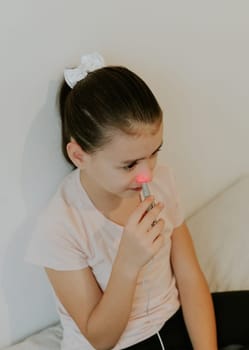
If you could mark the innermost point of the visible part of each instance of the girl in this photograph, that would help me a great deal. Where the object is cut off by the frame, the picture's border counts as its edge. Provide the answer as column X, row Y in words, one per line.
column 120, row 265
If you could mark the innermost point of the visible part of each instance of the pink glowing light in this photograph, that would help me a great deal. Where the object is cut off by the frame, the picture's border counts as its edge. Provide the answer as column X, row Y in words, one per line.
column 142, row 178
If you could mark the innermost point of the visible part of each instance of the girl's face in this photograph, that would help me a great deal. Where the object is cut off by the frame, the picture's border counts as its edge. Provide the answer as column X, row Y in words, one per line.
column 115, row 168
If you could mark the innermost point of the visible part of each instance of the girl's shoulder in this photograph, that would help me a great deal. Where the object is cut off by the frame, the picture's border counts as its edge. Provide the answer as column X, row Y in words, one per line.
column 165, row 189
column 59, row 240
column 61, row 217
column 69, row 195
column 164, row 178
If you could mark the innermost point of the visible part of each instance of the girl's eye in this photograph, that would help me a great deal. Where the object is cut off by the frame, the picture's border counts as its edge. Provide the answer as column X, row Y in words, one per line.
column 130, row 166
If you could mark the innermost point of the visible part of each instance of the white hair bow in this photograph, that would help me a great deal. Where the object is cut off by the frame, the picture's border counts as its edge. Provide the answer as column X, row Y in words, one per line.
column 88, row 64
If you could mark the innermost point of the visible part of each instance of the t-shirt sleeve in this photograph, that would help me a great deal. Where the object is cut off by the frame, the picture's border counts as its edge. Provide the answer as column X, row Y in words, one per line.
column 58, row 242
column 177, row 211
column 166, row 189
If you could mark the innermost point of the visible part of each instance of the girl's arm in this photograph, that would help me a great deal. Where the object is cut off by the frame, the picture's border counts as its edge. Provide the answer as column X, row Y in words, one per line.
column 195, row 297
column 102, row 316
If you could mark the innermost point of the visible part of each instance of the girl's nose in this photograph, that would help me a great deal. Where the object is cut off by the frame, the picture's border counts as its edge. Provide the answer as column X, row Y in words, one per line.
column 144, row 174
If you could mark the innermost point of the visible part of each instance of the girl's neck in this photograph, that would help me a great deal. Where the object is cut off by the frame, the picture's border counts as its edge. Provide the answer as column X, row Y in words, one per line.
column 110, row 205
column 99, row 197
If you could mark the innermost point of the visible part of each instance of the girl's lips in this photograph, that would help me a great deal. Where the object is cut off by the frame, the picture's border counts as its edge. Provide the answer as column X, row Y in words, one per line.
column 137, row 189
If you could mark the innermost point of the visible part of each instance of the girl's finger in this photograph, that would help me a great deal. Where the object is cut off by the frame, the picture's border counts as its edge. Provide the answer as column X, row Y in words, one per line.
column 155, row 230
column 158, row 243
column 140, row 211
column 150, row 218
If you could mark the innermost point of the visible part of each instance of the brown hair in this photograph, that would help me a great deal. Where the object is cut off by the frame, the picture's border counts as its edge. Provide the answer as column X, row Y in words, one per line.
column 108, row 98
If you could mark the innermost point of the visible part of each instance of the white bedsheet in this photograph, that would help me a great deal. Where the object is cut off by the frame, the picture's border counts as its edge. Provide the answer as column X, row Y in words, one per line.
column 47, row 339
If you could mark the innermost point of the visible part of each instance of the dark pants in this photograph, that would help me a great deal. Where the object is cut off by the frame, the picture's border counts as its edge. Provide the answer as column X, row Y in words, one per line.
column 232, row 320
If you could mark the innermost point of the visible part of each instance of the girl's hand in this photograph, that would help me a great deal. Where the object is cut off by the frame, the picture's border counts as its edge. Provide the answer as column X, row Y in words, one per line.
column 142, row 237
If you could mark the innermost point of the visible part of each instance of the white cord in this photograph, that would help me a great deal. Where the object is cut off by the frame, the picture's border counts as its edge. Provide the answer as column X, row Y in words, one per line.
column 146, row 192
column 160, row 339
column 147, row 305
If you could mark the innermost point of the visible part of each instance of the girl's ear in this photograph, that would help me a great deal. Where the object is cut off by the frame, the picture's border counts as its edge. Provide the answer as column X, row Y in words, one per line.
column 76, row 154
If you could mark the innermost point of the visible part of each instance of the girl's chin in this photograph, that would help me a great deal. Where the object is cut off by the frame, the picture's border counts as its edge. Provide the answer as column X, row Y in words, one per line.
column 130, row 193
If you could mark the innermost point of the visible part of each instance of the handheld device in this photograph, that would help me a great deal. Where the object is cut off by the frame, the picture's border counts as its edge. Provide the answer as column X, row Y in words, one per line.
column 143, row 180
column 146, row 193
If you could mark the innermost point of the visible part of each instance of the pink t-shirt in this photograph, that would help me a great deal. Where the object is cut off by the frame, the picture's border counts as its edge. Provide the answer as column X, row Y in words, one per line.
column 72, row 234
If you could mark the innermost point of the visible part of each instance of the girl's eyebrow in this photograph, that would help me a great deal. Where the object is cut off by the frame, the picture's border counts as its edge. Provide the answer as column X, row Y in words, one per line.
column 136, row 160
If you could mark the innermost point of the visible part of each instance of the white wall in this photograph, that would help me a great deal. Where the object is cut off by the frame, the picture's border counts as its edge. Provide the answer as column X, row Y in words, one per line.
column 193, row 54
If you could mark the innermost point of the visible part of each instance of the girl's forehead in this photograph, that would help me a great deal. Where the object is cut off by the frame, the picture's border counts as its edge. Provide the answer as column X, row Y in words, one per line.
column 143, row 129
column 137, row 131
column 148, row 137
